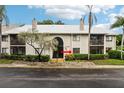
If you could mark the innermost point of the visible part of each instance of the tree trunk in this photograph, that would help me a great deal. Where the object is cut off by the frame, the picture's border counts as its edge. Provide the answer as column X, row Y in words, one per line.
column 89, row 46
column 39, row 58
column 0, row 37
column 90, row 22
column 122, row 42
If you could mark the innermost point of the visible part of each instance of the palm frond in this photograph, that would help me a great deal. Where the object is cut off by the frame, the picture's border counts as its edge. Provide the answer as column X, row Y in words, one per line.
column 3, row 14
column 90, row 7
column 118, row 23
column 6, row 19
column 95, row 18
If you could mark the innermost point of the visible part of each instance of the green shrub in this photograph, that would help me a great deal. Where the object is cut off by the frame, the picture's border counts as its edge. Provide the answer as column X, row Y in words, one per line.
column 114, row 54
column 45, row 58
column 80, row 56
column 69, row 57
column 4, row 55
column 34, row 58
column 31, row 58
column 98, row 56
column 85, row 57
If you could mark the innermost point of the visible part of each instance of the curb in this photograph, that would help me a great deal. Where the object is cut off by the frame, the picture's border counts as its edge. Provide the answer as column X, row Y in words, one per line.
column 65, row 67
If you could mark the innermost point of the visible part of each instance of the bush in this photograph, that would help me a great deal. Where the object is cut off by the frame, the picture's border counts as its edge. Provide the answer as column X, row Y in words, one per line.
column 69, row 57
column 98, row 56
column 32, row 58
column 85, row 56
column 4, row 55
column 80, row 56
column 45, row 58
column 114, row 54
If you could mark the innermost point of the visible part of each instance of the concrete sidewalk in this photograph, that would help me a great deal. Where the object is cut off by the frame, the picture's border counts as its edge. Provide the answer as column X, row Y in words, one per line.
column 80, row 65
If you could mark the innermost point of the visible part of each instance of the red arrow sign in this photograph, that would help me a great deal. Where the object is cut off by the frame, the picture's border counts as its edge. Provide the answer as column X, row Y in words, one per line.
column 68, row 51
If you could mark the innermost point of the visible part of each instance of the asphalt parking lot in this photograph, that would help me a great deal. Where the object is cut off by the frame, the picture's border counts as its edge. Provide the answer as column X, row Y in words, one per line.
column 61, row 78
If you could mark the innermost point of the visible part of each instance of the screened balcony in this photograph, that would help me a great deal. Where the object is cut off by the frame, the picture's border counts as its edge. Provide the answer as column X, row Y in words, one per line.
column 14, row 40
column 97, row 40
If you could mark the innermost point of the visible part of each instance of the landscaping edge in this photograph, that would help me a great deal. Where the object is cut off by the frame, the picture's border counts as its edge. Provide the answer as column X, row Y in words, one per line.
column 62, row 67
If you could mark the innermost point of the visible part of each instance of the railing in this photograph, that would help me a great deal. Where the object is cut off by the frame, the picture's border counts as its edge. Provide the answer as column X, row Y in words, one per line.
column 14, row 40
column 17, row 42
column 96, row 42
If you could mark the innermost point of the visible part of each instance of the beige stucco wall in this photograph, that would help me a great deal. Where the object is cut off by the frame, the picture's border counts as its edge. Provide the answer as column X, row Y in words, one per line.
column 69, row 44
column 6, row 45
column 82, row 44
column 112, row 43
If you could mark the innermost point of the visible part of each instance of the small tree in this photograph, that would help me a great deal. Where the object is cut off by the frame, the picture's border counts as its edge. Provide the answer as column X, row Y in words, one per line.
column 39, row 41
column 119, row 23
column 50, row 22
column 118, row 40
column 59, row 22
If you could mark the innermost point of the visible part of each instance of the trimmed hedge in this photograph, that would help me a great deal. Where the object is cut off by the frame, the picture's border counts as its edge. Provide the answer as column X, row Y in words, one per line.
column 98, row 56
column 114, row 54
column 85, row 57
column 31, row 58
column 80, row 56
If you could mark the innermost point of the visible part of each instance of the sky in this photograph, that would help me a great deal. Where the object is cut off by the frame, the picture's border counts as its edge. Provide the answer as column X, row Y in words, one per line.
column 20, row 14
column 69, row 14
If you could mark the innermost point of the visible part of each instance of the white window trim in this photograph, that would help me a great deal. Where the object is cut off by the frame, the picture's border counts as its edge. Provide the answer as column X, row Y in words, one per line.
column 76, row 38
column 5, row 50
column 109, row 38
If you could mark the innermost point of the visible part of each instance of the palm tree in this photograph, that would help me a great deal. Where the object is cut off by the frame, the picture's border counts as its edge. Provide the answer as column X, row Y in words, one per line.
column 119, row 23
column 91, row 19
column 3, row 17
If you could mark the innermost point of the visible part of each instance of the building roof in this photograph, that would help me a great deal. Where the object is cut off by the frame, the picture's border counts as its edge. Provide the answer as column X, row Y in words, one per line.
column 9, row 27
column 63, row 29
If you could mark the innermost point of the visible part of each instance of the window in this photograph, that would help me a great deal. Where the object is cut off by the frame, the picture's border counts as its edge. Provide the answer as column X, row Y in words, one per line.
column 4, row 50
column 17, row 50
column 4, row 38
column 76, row 37
column 109, row 38
column 96, row 49
column 76, row 50
column 14, row 40
column 97, row 39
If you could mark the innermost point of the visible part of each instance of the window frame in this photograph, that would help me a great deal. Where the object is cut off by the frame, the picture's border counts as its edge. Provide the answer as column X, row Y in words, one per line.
column 76, row 50
column 4, row 50
column 76, row 38
column 4, row 38
column 109, row 38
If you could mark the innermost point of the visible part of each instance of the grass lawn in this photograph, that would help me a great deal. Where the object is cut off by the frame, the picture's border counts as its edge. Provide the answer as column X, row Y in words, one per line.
column 77, row 61
column 109, row 62
column 5, row 61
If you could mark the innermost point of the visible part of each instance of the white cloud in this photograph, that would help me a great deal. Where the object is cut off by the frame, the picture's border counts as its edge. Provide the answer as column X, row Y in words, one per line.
column 34, row 6
column 122, row 10
column 103, row 8
column 112, row 16
column 71, row 12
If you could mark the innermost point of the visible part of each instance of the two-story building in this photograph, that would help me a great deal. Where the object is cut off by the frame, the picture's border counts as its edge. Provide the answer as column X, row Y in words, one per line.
column 72, row 38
